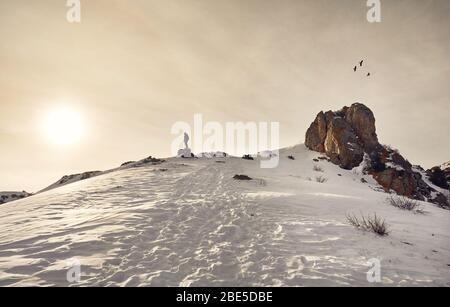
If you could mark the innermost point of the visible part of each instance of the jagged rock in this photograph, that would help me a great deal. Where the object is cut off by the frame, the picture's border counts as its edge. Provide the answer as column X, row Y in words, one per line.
column 440, row 176
column 127, row 163
column 362, row 121
column 77, row 177
column 343, row 135
column 341, row 144
column 316, row 134
column 348, row 135
column 391, row 179
column 6, row 197
column 149, row 160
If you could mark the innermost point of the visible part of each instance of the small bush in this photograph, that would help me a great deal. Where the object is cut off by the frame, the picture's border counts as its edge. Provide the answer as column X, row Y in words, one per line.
column 373, row 224
column 405, row 203
column 317, row 168
column 321, row 179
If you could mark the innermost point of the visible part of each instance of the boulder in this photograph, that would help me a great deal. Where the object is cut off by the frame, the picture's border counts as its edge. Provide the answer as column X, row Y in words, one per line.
column 343, row 134
column 316, row 134
column 439, row 176
column 348, row 135
column 341, row 144
column 362, row 121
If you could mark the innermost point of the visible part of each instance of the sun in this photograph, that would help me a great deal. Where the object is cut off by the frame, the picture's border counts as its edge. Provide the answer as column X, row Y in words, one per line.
column 63, row 126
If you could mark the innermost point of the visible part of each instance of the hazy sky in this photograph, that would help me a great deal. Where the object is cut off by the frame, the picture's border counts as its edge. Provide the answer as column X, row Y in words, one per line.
column 132, row 68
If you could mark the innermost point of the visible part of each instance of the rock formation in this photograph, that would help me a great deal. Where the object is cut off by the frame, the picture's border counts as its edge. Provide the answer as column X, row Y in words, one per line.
column 348, row 137
column 6, row 197
column 440, row 175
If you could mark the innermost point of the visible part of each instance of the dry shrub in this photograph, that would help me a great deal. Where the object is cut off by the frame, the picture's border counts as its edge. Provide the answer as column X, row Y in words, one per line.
column 405, row 203
column 370, row 223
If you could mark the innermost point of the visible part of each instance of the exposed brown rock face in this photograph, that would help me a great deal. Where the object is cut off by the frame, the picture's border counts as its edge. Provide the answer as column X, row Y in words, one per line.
column 316, row 134
column 344, row 135
column 341, row 144
column 348, row 135
column 362, row 120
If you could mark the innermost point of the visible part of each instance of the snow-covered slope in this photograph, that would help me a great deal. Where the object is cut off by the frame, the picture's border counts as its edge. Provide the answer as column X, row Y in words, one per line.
column 186, row 222
column 68, row 179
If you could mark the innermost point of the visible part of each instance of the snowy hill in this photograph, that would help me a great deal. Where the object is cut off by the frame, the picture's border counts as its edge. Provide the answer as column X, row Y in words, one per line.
column 187, row 222
column 68, row 179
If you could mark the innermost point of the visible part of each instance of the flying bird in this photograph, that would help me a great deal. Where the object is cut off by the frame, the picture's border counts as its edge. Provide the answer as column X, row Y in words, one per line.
column 360, row 63
column 354, row 68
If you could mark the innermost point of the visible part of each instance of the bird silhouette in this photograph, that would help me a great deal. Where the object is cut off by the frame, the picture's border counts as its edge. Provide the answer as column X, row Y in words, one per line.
column 354, row 68
column 360, row 63
column 368, row 74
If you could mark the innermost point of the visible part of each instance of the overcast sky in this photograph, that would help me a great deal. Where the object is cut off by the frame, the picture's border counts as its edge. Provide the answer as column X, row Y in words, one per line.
column 133, row 68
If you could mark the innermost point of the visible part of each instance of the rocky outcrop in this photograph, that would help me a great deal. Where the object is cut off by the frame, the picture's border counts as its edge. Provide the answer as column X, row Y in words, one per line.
column 317, row 133
column 440, row 175
column 6, row 197
column 348, row 137
column 344, row 135
column 341, row 144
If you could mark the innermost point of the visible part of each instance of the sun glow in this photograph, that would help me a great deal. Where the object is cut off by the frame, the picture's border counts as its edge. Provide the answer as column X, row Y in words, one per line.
column 63, row 126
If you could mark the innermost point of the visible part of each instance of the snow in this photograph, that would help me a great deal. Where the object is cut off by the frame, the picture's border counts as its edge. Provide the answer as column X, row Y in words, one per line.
column 186, row 222
column 71, row 179
column 267, row 154
column 394, row 166
column 212, row 155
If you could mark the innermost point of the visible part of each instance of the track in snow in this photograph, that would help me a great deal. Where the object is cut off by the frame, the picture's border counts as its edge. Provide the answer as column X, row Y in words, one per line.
column 188, row 223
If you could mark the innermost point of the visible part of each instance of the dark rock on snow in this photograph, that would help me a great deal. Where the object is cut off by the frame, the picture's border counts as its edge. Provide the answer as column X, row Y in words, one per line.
column 348, row 137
